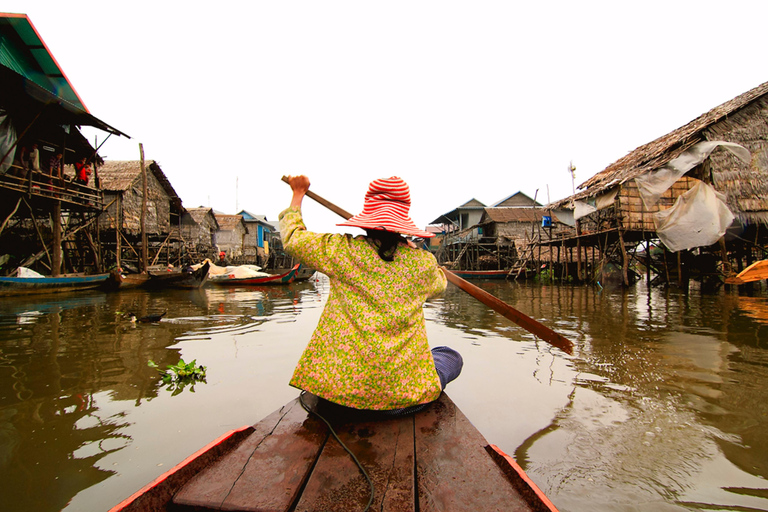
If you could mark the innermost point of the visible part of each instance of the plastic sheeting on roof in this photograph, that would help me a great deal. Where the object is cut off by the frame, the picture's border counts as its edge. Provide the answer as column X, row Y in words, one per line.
column 698, row 218
column 653, row 184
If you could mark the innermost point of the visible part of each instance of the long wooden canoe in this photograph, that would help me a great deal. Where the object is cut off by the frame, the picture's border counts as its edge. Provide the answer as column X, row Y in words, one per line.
column 184, row 279
column 481, row 274
column 39, row 285
column 434, row 460
column 119, row 281
column 755, row 272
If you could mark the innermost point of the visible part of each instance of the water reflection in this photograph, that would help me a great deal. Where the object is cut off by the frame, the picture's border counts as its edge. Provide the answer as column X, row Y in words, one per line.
column 663, row 406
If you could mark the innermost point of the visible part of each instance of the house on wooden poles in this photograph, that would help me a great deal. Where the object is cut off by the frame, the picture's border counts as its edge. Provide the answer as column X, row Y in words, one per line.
column 691, row 204
column 131, row 214
column 260, row 238
column 498, row 237
column 230, row 236
column 198, row 231
column 47, row 215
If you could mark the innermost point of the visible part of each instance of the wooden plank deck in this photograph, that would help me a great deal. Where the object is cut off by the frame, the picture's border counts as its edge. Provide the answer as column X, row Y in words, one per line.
column 434, row 460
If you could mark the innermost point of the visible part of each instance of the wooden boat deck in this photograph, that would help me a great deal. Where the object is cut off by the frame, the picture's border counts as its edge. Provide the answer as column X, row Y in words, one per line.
column 433, row 460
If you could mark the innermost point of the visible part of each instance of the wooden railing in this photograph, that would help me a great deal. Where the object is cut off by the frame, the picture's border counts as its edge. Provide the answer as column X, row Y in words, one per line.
column 39, row 185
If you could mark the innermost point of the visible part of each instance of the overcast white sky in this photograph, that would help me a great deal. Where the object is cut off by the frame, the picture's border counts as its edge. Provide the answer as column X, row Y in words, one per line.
column 474, row 99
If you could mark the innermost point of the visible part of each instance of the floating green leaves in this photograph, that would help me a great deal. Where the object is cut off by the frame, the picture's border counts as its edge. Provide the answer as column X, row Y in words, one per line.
column 178, row 377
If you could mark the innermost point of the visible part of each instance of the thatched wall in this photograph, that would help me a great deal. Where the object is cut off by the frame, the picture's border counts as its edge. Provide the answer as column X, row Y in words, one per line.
column 628, row 211
column 157, row 220
column 515, row 223
column 231, row 233
column 199, row 226
column 123, row 179
column 745, row 186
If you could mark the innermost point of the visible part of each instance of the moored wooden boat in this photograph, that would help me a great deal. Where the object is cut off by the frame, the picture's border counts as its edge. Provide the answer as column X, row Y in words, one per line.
column 119, row 281
column 481, row 274
column 755, row 272
column 303, row 274
column 39, row 285
column 428, row 461
column 284, row 278
column 184, row 279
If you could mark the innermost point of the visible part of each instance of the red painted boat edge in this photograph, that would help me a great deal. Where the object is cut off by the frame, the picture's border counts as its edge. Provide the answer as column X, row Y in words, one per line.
column 518, row 477
column 176, row 477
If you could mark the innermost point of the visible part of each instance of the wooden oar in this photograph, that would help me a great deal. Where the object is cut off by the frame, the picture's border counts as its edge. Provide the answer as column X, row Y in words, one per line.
column 501, row 307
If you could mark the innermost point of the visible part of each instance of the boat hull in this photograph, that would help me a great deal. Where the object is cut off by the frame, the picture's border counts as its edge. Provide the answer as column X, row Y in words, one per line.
column 179, row 280
column 41, row 285
column 434, row 459
column 285, row 278
column 481, row 274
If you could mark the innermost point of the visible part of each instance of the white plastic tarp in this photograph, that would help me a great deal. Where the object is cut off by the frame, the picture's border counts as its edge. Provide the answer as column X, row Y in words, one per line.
column 607, row 199
column 582, row 208
column 653, row 184
column 7, row 141
column 698, row 218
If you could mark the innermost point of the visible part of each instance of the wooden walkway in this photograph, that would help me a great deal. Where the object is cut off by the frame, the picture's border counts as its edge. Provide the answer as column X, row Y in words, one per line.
column 434, row 460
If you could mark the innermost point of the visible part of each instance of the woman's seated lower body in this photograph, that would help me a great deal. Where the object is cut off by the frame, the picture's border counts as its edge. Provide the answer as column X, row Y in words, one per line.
column 448, row 364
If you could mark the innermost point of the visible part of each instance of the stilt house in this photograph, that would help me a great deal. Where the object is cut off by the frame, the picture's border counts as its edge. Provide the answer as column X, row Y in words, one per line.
column 47, row 221
column 123, row 185
column 198, row 229
column 230, row 236
column 709, row 178
column 259, row 237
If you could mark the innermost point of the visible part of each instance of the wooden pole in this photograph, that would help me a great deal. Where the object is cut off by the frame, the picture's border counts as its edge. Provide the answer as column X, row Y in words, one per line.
column 56, row 263
column 144, row 249
column 648, row 261
column 625, row 260
column 5, row 222
column 118, row 226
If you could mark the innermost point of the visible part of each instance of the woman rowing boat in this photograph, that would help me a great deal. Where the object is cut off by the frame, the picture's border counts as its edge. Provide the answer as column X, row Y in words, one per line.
column 370, row 350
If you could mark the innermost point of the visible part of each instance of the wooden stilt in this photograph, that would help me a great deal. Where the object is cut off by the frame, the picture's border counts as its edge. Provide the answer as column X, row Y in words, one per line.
column 7, row 219
column 56, row 225
column 144, row 249
column 625, row 260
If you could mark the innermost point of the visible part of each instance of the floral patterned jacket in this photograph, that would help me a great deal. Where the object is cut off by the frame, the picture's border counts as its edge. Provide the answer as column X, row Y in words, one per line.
column 369, row 350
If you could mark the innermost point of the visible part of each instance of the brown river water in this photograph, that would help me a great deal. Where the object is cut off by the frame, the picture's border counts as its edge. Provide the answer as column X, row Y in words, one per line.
column 663, row 405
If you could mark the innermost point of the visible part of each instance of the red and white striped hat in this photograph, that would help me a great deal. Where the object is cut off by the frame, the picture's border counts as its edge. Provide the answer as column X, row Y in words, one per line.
column 386, row 207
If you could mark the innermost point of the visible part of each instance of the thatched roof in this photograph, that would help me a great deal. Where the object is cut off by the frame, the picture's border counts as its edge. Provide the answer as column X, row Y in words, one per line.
column 199, row 214
column 504, row 215
column 228, row 222
column 657, row 153
column 120, row 175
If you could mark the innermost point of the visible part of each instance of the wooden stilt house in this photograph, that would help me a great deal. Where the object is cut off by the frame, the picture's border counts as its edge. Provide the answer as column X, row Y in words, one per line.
column 230, row 236
column 123, row 185
column 198, row 229
column 633, row 203
column 259, row 238
column 47, row 219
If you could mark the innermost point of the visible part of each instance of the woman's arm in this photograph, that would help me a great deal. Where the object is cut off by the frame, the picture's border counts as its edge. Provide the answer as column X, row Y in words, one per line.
column 299, row 185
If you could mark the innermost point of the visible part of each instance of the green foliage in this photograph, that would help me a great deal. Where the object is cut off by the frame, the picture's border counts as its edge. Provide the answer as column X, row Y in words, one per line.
column 546, row 276
column 179, row 376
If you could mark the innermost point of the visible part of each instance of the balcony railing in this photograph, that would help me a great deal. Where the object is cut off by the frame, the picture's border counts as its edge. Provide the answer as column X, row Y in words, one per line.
column 40, row 186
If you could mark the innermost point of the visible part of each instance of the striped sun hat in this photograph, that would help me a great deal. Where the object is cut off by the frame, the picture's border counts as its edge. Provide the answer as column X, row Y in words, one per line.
column 386, row 207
